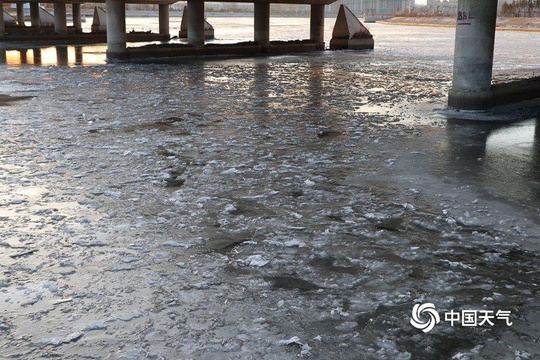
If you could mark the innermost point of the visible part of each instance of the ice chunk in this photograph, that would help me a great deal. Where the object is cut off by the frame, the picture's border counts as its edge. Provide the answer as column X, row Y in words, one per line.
column 256, row 260
column 176, row 244
column 98, row 325
column 231, row 171
column 295, row 242
column 293, row 340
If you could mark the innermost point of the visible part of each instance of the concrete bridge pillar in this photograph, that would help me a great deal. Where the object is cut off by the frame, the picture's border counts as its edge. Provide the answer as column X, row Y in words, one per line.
column 317, row 24
column 20, row 14
column 2, row 25
column 195, row 22
column 77, row 23
column 60, row 22
column 164, row 20
column 116, row 29
column 473, row 55
column 35, row 19
column 262, row 23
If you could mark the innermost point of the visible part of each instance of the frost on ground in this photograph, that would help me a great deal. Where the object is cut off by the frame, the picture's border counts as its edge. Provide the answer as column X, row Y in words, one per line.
column 252, row 209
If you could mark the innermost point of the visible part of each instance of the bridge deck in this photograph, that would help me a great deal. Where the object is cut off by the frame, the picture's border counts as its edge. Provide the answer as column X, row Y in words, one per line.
column 158, row 2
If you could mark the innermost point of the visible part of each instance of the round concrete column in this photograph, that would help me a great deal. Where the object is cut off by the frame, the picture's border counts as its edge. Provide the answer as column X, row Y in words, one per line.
column 164, row 20
column 77, row 23
column 473, row 55
column 20, row 14
column 35, row 19
column 196, row 22
column 60, row 22
column 262, row 23
column 317, row 24
column 116, row 29
column 2, row 25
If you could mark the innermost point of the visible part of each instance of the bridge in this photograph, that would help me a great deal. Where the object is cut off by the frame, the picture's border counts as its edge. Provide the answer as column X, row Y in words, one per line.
column 471, row 89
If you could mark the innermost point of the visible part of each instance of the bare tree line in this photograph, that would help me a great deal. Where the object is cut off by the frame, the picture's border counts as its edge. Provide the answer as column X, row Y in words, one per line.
column 521, row 8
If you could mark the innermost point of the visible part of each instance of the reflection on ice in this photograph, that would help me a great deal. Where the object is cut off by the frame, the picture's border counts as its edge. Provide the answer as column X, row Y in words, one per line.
column 54, row 56
column 32, row 192
column 512, row 161
column 502, row 159
column 518, row 140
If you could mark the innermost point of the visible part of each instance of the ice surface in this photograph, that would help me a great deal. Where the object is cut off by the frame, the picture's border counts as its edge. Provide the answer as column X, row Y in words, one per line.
column 289, row 211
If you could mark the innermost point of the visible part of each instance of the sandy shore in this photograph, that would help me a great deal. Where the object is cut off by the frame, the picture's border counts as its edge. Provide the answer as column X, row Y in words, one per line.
column 517, row 24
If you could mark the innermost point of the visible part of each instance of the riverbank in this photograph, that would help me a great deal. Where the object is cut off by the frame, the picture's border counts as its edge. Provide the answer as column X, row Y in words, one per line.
column 516, row 24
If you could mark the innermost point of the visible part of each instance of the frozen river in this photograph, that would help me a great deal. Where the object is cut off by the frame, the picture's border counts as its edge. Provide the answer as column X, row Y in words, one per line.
column 267, row 208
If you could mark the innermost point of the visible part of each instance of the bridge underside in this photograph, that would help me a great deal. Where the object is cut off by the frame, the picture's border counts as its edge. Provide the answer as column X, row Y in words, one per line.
column 116, row 25
column 170, row 2
column 153, row 2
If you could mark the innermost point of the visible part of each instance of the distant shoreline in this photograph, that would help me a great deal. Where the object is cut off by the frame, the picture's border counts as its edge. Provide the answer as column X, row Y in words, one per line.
column 510, row 24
